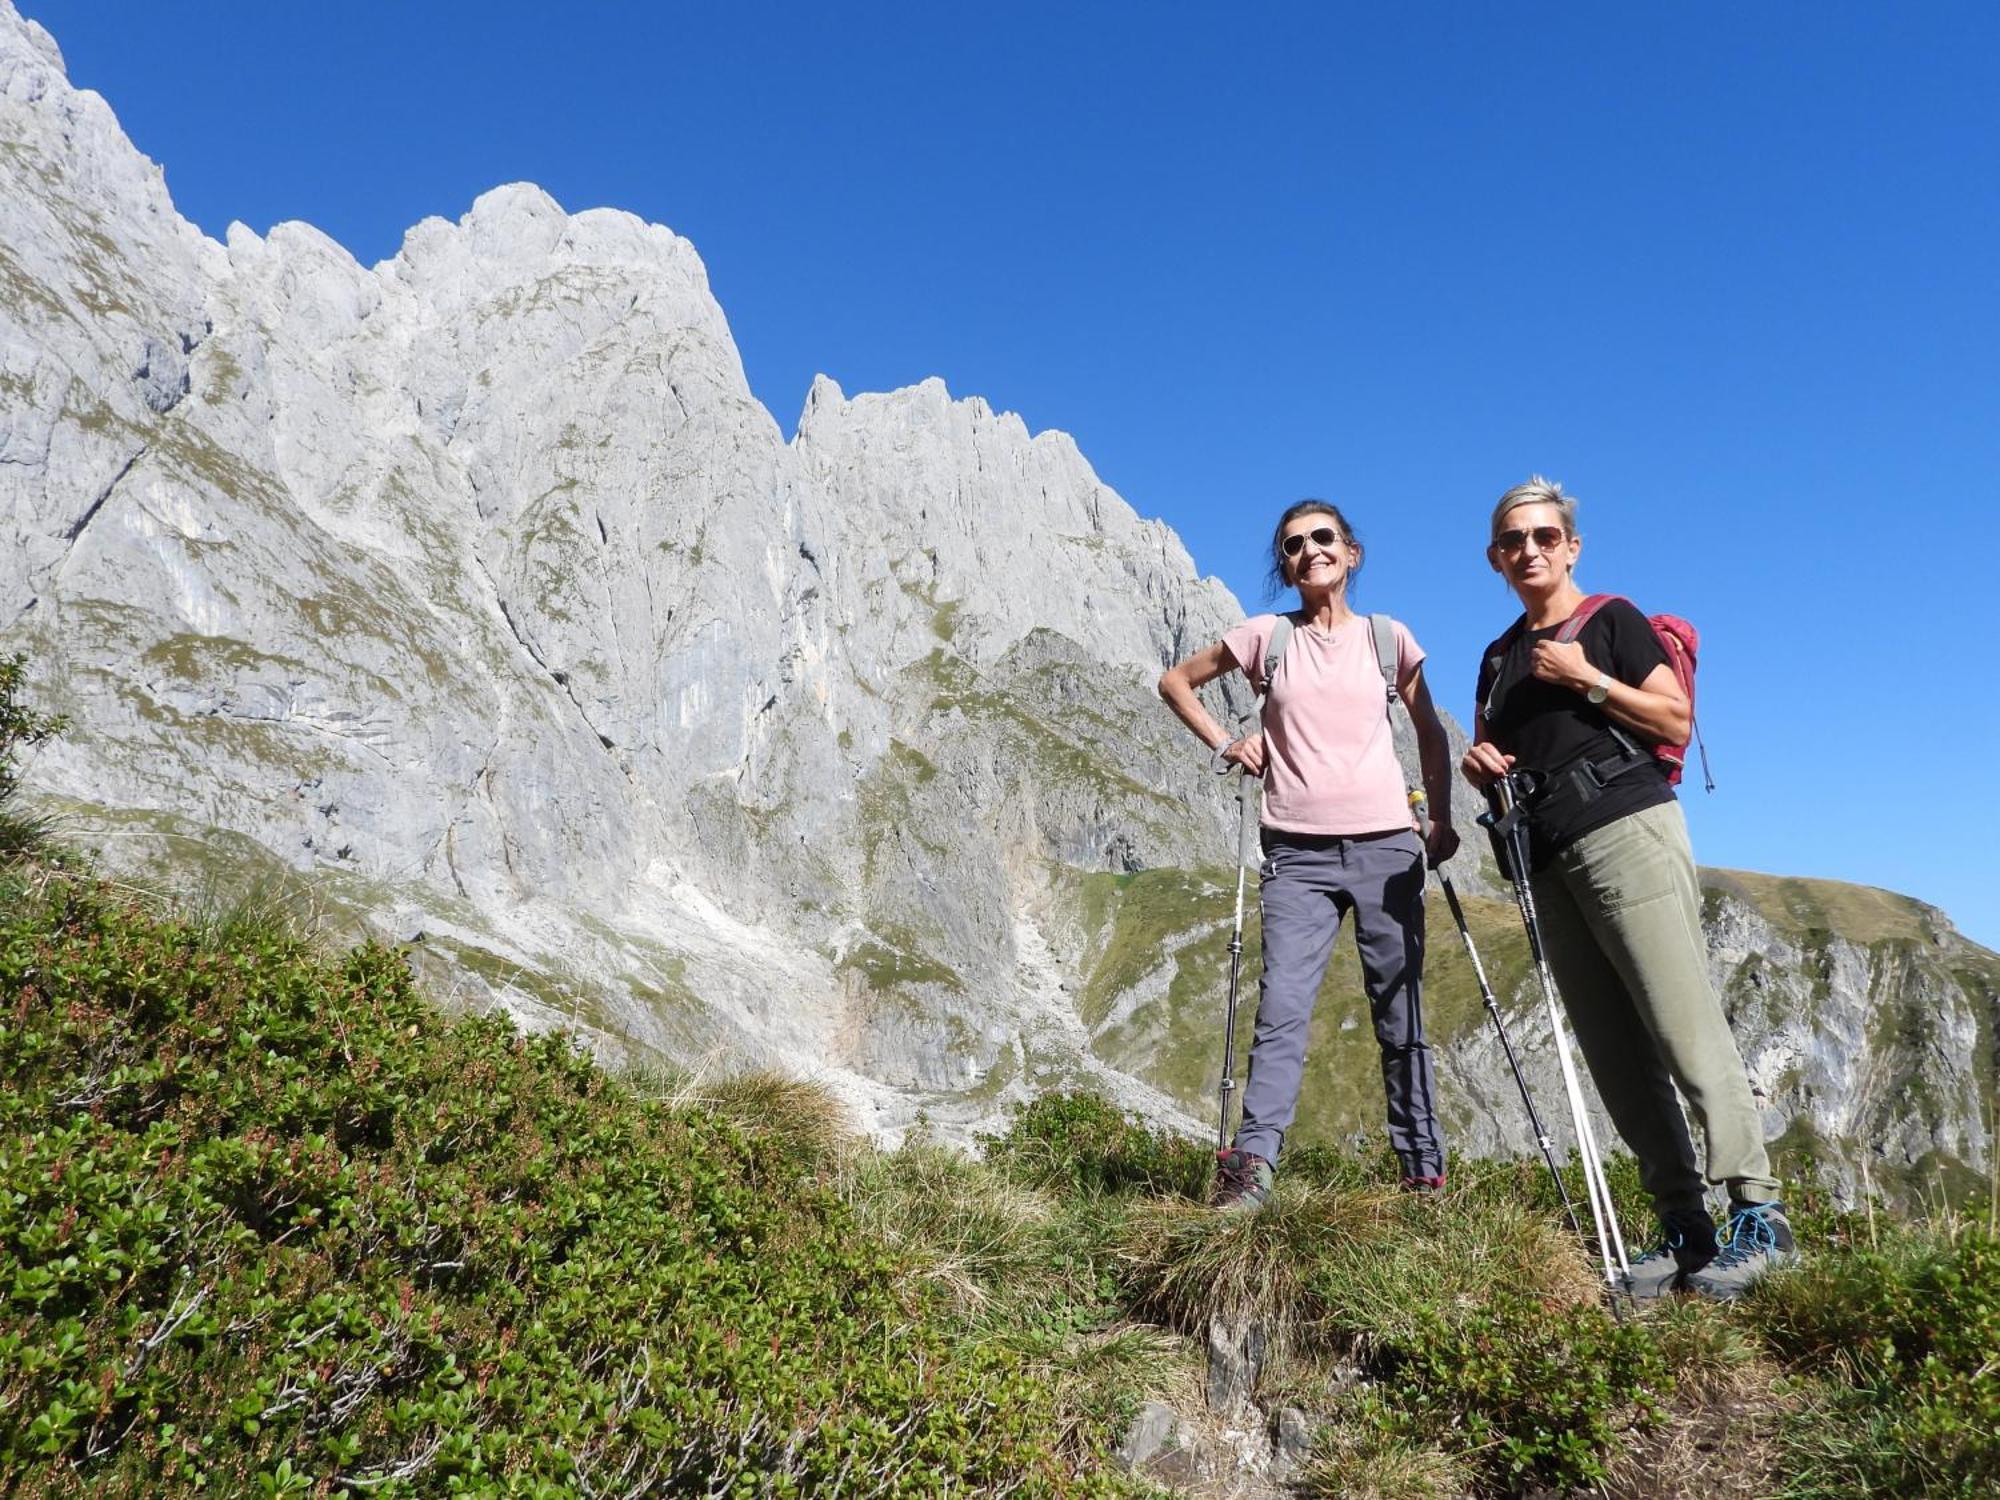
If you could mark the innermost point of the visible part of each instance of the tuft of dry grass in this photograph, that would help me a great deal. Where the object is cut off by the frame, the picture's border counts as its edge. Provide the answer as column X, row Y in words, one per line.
column 1184, row 1265
column 1332, row 1269
column 284, row 908
column 1354, row 1460
column 26, row 837
column 957, row 1222
column 805, row 1117
column 1450, row 1253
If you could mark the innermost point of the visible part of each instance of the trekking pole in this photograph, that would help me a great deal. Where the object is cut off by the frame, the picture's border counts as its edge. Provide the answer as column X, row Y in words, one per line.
column 1421, row 804
column 1247, row 787
column 1508, row 825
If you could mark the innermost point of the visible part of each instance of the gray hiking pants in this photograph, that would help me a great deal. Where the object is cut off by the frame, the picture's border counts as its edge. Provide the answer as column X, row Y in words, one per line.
column 1620, row 912
column 1309, row 883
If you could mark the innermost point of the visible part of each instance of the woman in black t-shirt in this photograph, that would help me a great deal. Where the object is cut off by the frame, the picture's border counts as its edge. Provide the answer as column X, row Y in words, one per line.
column 1617, row 897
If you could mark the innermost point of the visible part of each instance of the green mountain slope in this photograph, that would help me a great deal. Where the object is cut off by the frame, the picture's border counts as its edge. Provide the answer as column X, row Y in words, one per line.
column 270, row 1223
column 1867, row 1022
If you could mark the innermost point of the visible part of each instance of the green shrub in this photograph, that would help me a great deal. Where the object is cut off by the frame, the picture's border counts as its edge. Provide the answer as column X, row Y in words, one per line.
column 1525, row 1390
column 21, row 834
column 1084, row 1142
column 1898, row 1343
column 19, row 724
column 269, row 1224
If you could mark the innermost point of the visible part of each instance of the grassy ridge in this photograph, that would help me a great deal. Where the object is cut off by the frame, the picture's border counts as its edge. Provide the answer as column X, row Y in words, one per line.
column 270, row 1224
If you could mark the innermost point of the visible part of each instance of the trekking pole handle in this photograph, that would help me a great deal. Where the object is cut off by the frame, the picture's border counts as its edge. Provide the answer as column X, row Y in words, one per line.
column 1219, row 762
column 1420, row 805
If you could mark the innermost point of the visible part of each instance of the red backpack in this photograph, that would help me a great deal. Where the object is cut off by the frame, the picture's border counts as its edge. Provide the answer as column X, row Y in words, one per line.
column 1682, row 643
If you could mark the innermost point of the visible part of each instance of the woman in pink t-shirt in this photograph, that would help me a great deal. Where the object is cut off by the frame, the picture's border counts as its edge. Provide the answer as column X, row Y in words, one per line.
column 1337, row 837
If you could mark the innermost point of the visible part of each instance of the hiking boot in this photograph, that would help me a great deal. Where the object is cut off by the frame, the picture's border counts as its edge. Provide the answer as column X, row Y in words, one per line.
column 1242, row 1180
column 1686, row 1244
column 1423, row 1187
column 1760, row 1240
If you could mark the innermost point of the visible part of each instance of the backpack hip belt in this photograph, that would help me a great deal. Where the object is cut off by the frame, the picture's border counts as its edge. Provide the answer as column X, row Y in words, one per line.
column 1588, row 779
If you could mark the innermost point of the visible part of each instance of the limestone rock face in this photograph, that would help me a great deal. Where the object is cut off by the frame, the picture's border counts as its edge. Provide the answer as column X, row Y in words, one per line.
column 478, row 588
column 478, row 583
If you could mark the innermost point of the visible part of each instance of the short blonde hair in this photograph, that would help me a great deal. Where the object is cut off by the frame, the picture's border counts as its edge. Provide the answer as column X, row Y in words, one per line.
column 1537, row 491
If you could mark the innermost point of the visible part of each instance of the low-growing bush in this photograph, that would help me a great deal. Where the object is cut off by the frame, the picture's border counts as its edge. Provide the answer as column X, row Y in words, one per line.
column 1899, row 1343
column 1524, row 1390
column 22, row 834
column 271, row 1224
column 268, row 1223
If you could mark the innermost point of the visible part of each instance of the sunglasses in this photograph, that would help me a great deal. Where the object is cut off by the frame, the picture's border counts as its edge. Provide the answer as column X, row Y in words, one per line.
column 1322, row 536
column 1547, row 538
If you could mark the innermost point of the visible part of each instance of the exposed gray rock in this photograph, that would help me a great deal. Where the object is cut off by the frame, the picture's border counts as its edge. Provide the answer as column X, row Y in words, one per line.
column 1154, row 1430
column 478, row 584
column 1291, row 1441
column 1236, row 1345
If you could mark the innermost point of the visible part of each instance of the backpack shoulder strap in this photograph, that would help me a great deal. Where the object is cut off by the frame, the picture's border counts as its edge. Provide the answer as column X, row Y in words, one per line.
column 1274, row 652
column 1573, row 626
column 1384, row 631
column 1496, row 658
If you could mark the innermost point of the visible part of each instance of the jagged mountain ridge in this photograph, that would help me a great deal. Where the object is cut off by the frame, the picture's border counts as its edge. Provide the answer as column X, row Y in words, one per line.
column 479, row 584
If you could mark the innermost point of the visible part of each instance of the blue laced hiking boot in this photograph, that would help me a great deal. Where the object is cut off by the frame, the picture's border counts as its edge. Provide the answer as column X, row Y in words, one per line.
column 1243, row 1179
column 1687, row 1242
column 1759, row 1241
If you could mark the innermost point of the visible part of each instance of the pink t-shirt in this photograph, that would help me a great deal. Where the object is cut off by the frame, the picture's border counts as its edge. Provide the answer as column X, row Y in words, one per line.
column 1330, row 761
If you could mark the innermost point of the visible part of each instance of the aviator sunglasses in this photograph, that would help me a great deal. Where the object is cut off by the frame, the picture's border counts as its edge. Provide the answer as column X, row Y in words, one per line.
column 1322, row 536
column 1547, row 538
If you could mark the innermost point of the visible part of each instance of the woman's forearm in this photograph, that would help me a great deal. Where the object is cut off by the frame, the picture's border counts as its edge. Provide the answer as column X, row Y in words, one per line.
column 1662, row 718
column 1434, row 758
column 1656, row 709
column 1189, row 709
column 1178, row 684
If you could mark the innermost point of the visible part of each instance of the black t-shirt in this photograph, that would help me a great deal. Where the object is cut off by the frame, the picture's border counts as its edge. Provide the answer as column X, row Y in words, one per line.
column 1554, row 729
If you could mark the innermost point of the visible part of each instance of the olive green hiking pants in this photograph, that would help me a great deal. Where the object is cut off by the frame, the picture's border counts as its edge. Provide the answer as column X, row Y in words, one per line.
column 1620, row 914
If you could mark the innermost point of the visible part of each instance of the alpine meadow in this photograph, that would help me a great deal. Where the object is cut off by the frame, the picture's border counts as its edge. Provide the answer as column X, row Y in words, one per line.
column 557, row 939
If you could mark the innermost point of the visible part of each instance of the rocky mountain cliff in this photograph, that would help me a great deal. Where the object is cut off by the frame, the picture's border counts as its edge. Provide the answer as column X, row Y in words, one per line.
column 478, row 586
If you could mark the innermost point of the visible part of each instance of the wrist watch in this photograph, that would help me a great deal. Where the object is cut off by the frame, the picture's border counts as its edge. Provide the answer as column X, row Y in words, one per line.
column 1600, row 689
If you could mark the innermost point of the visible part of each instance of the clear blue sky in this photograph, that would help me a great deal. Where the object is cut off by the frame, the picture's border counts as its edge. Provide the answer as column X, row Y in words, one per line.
column 1731, row 273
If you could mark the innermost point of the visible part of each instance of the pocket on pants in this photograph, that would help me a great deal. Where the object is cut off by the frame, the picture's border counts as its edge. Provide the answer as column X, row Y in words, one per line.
column 1624, row 865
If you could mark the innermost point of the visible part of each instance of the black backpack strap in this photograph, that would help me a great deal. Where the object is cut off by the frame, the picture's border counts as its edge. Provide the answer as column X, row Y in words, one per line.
column 1496, row 657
